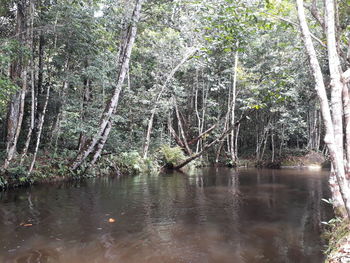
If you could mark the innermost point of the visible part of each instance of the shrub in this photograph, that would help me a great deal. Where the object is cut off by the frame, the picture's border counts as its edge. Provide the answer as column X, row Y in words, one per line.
column 172, row 155
column 128, row 163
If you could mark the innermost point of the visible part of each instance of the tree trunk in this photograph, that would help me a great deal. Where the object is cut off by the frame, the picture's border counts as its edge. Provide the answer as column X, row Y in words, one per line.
column 18, row 74
column 346, row 104
column 99, row 146
column 196, row 109
column 40, row 128
column 182, row 132
column 236, row 140
column 83, row 113
column 111, row 106
column 332, row 141
column 32, row 84
column 56, row 130
column 233, row 104
column 272, row 146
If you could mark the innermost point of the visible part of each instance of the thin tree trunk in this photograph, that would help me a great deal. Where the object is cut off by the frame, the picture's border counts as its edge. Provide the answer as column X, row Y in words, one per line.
column 196, row 109
column 40, row 128
column 282, row 142
column 56, row 130
column 273, row 146
column 221, row 145
column 236, row 140
column 205, row 95
column 346, row 104
column 170, row 76
column 148, row 134
column 32, row 83
column 233, row 104
column 266, row 137
column 182, row 132
column 124, row 60
column 319, row 117
column 83, row 113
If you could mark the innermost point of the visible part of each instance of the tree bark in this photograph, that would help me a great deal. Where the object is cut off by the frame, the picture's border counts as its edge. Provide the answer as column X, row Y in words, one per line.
column 99, row 146
column 346, row 105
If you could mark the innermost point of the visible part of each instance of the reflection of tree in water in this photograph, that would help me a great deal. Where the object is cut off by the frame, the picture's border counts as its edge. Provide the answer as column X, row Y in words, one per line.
column 312, row 216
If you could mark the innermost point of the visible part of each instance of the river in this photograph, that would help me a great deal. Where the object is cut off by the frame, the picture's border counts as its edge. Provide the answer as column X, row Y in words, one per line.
column 212, row 215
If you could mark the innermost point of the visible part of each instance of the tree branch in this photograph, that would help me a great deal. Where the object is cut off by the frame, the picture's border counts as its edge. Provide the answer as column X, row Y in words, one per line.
column 201, row 135
column 208, row 146
column 297, row 27
column 316, row 15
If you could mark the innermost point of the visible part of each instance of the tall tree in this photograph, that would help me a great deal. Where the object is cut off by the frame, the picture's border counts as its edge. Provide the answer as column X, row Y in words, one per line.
column 18, row 74
column 123, row 63
column 332, row 119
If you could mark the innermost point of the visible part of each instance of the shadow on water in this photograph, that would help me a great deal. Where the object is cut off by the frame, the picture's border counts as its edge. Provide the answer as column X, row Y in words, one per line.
column 213, row 215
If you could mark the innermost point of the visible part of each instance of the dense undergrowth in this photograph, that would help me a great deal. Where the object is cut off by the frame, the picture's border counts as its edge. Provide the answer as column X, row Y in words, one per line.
column 51, row 168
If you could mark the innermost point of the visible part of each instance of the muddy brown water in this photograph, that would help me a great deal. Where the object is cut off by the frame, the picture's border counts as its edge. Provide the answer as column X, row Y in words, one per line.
column 212, row 215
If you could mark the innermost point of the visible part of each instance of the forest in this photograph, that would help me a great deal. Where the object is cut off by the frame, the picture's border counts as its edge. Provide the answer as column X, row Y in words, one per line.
column 100, row 87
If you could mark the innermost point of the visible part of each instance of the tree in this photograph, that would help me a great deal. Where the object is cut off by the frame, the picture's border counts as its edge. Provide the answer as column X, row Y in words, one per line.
column 332, row 118
column 99, row 138
column 18, row 74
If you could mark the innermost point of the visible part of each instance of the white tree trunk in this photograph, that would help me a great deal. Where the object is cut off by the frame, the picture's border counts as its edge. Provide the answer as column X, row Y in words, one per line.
column 40, row 128
column 332, row 134
column 233, row 104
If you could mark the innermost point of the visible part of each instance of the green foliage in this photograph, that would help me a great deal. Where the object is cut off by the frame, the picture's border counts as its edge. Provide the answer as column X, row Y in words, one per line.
column 130, row 161
column 7, row 88
column 19, row 171
column 172, row 155
column 4, row 7
column 9, row 51
column 127, row 163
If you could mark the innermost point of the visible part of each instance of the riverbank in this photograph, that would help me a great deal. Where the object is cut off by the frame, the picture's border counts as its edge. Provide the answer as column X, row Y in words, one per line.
column 303, row 159
column 14, row 178
column 338, row 237
column 50, row 170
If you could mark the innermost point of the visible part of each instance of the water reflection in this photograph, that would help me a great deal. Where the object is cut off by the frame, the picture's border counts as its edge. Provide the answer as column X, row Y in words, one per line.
column 213, row 215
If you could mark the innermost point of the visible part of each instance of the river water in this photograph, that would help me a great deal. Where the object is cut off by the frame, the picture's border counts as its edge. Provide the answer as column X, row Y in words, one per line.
column 212, row 215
